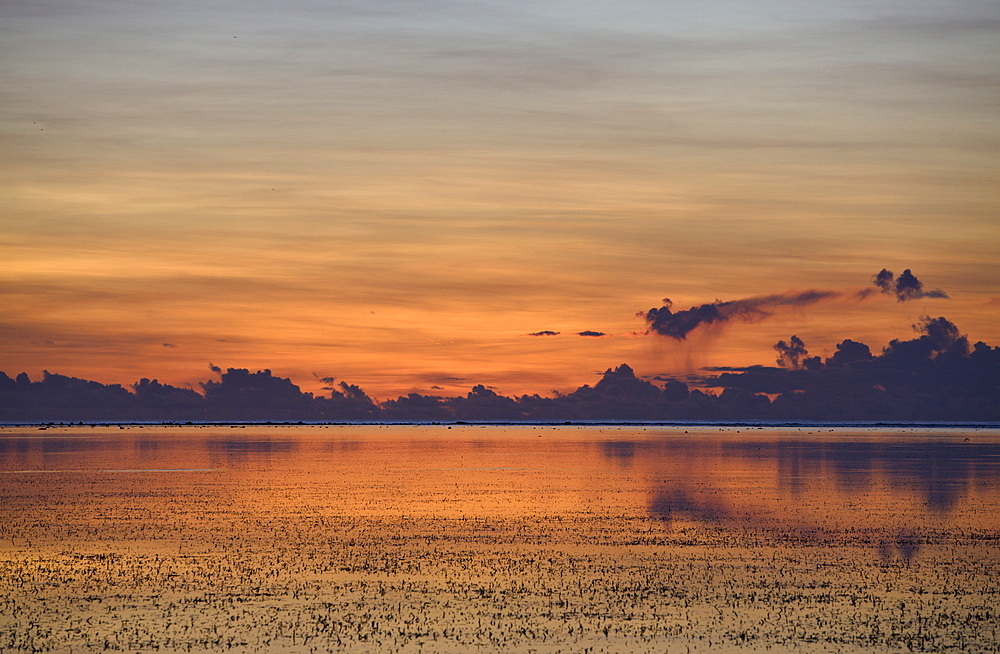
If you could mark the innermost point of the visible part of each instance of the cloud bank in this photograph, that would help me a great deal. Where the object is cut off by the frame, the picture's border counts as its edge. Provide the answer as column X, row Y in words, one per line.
column 936, row 376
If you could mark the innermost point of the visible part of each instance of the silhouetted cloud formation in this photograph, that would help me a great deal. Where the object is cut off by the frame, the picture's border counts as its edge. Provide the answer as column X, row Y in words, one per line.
column 678, row 324
column 905, row 287
column 940, row 337
column 544, row 332
column 792, row 353
column 591, row 334
column 849, row 352
column 164, row 397
column 936, row 376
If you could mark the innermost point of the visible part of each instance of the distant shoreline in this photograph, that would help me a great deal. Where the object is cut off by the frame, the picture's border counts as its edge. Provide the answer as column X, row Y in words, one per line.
column 509, row 423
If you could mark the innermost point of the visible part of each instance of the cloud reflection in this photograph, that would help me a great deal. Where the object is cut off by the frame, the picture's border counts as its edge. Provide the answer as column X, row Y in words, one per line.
column 901, row 489
column 237, row 447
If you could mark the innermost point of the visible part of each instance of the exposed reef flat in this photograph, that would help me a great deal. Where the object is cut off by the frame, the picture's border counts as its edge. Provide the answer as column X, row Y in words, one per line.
column 303, row 583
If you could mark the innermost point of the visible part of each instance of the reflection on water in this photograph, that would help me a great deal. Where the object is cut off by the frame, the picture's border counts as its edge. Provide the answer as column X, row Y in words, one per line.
column 938, row 472
column 622, row 450
column 901, row 483
column 894, row 482
column 941, row 470
column 241, row 447
column 527, row 538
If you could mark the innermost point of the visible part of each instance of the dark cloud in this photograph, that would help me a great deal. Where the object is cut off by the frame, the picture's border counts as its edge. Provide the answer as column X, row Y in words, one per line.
column 329, row 381
column 346, row 403
column 214, row 368
column 482, row 403
column 622, row 381
column 415, row 408
column 936, row 376
column 678, row 324
column 885, row 280
column 735, row 368
column 544, row 332
column 164, row 397
column 591, row 334
column 906, row 287
column 939, row 337
column 849, row 352
column 169, row 345
column 440, row 379
column 260, row 394
column 791, row 354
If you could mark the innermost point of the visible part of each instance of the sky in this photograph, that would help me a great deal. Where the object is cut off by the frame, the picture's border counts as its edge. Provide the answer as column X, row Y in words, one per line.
column 398, row 194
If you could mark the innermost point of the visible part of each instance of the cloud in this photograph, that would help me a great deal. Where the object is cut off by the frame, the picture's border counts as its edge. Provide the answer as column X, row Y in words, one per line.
column 328, row 382
column 939, row 336
column 544, row 332
column 791, row 354
column 171, row 345
column 735, row 368
column 884, row 280
column 937, row 376
column 848, row 352
column 591, row 334
column 678, row 324
column 906, row 287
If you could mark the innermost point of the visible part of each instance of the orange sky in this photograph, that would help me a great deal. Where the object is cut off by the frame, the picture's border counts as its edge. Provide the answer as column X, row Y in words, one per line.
column 397, row 196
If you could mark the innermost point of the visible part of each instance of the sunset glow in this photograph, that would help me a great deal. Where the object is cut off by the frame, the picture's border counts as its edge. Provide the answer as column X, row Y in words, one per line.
column 398, row 195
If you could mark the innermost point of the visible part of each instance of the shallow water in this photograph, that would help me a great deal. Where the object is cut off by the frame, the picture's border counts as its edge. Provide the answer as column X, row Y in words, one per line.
column 521, row 538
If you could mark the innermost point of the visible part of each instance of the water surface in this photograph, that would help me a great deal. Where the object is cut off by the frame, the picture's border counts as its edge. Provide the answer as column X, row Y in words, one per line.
column 489, row 538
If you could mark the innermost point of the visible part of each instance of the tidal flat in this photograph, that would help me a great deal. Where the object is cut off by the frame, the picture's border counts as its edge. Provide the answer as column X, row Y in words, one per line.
column 521, row 538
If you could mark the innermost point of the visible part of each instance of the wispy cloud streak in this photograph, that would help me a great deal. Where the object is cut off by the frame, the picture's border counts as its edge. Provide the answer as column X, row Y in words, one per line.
column 678, row 324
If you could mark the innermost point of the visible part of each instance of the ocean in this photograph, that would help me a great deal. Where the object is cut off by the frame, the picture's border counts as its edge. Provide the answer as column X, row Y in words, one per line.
column 499, row 538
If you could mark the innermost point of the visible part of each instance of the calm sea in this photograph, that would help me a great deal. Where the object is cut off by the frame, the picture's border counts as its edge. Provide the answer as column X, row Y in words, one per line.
column 787, row 477
column 408, row 538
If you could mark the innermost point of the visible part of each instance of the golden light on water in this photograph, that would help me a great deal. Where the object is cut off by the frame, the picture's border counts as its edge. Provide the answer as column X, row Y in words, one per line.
column 617, row 539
